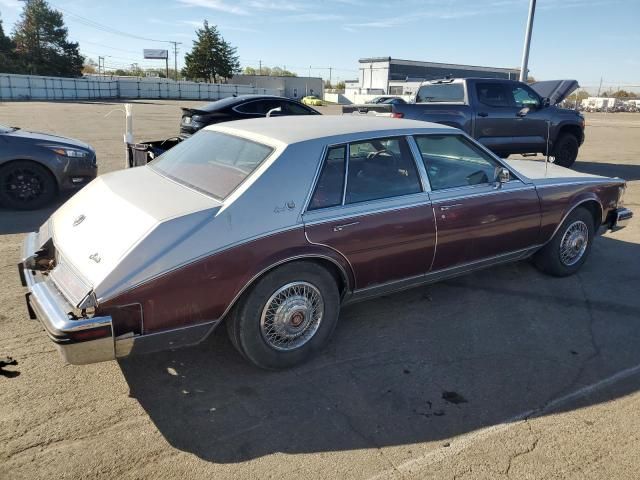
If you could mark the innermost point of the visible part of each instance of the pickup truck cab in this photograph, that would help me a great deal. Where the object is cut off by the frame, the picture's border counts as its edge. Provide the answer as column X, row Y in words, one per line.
column 507, row 116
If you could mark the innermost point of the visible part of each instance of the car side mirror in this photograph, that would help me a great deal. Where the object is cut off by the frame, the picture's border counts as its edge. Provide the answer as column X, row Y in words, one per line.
column 502, row 176
column 523, row 112
column 546, row 102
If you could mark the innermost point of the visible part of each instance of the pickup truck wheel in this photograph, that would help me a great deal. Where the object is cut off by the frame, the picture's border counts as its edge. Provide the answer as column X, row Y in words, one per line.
column 286, row 317
column 570, row 246
column 565, row 150
column 25, row 185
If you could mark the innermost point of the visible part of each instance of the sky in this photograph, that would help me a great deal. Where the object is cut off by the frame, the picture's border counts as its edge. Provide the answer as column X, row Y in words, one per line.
column 580, row 39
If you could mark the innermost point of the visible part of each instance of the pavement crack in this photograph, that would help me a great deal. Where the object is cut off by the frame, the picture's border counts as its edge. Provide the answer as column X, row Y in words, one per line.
column 522, row 453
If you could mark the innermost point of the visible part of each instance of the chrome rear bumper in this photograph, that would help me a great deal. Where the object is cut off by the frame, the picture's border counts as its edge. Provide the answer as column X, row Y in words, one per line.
column 620, row 218
column 79, row 341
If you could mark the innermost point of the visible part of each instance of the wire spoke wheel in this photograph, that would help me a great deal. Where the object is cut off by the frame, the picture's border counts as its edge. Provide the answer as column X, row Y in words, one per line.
column 574, row 243
column 292, row 316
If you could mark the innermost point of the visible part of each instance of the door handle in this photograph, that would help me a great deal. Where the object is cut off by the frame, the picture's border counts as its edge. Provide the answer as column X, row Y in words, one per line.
column 339, row 228
column 483, row 114
column 444, row 208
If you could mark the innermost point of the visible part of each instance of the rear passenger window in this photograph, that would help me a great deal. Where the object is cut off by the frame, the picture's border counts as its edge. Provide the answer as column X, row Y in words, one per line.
column 328, row 192
column 381, row 168
column 493, row 94
column 440, row 92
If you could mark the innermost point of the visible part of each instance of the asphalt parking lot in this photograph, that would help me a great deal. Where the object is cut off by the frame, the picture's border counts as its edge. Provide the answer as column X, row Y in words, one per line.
column 502, row 373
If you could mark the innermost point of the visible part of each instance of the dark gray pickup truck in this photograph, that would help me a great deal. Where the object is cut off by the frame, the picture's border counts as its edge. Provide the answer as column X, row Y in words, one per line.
column 507, row 116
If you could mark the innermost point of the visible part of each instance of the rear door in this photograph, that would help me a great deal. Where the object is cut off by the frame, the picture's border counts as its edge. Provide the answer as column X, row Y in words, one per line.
column 476, row 218
column 370, row 205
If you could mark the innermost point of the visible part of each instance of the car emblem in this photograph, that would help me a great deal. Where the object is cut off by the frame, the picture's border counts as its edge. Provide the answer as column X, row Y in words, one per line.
column 95, row 257
column 78, row 220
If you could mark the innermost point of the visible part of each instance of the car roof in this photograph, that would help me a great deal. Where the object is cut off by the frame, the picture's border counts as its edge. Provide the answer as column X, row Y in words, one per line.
column 294, row 129
column 231, row 101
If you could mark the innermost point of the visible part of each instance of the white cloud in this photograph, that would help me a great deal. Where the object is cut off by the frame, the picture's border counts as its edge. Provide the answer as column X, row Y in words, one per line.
column 313, row 17
column 10, row 3
column 218, row 5
column 278, row 5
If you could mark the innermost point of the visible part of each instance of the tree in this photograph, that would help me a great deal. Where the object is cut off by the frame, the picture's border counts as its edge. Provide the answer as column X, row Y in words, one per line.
column 42, row 45
column 7, row 53
column 89, row 66
column 211, row 57
column 268, row 71
column 340, row 85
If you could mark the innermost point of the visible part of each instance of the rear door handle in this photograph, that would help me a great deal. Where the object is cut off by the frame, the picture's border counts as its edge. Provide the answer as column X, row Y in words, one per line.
column 339, row 228
column 444, row 208
column 483, row 114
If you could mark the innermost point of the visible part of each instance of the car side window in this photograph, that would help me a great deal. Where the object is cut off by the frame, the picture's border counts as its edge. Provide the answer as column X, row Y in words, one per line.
column 453, row 161
column 524, row 97
column 258, row 107
column 493, row 94
column 290, row 108
column 381, row 168
column 328, row 192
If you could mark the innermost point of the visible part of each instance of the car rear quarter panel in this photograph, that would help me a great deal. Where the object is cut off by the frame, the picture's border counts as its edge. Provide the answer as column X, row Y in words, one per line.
column 204, row 290
column 558, row 199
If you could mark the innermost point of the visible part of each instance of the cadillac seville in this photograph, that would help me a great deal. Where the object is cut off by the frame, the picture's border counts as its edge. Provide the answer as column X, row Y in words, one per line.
column 270, row 225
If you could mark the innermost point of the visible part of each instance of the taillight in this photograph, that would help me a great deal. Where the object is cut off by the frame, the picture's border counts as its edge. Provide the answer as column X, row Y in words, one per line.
column 397, row 115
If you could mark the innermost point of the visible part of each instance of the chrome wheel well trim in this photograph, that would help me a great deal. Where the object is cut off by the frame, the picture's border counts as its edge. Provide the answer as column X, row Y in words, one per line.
column 566, row 215
column 266, row 270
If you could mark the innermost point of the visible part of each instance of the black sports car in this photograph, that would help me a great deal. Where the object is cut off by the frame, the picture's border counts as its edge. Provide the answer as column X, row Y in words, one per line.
column 239, row 108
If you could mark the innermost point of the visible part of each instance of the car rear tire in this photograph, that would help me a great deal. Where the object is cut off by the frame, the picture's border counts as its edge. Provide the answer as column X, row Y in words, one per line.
column 25, row 185
column 565, row 150
column 286, row 317
column 570, row 246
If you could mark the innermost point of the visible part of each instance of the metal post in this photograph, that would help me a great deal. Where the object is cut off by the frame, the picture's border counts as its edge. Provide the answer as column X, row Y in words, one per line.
column 524, row 68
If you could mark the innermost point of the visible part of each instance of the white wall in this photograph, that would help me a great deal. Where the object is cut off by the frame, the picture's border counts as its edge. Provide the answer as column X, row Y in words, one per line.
column 31, row 87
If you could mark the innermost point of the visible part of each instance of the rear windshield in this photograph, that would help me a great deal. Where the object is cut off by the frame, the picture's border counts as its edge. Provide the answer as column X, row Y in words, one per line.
column 446, row 92
column 212, row 162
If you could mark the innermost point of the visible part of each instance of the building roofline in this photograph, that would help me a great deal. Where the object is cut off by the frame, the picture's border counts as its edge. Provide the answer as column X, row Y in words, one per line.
column 437, row 64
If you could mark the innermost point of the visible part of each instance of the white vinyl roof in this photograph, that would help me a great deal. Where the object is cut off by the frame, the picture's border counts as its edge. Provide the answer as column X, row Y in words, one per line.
column 294, row 129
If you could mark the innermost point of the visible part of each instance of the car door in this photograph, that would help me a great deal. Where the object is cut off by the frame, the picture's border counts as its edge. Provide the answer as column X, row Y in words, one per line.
column 476, row 218
column 369, row 204
column 500, row 124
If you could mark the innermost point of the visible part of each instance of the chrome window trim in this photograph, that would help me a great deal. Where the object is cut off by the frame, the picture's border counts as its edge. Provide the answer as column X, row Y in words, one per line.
column 363, row 210
column 316, row 177
column 487, row 189
column 417, row 160
column 347, row 153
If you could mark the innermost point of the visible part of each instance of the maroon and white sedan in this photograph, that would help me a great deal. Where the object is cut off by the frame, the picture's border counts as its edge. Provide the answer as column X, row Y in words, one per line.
column 271, row 225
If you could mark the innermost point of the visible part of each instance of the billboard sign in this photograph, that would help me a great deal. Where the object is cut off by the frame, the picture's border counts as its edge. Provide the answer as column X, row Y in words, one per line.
column 156, row 54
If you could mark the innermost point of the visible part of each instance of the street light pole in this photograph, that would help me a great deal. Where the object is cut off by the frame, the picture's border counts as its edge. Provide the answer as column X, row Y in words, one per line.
column 524, row 69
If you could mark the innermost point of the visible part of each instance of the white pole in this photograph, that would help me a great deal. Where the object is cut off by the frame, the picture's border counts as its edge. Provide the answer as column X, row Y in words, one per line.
column 527, row 42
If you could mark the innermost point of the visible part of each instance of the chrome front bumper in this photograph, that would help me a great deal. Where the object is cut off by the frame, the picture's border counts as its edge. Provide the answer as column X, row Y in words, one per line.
column 79, row 341
column 620, row 218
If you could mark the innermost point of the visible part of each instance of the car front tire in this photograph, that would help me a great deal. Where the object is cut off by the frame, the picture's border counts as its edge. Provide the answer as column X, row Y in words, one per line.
column 565, row 150
column 26, row 185
column 569, row 248
column 287, row 316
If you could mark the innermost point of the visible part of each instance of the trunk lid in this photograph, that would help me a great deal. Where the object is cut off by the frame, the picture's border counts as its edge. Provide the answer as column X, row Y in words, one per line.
column 555, row 90
column 106, row 220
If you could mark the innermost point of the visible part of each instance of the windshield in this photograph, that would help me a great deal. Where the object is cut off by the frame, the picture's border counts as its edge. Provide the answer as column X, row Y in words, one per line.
column 212, row 162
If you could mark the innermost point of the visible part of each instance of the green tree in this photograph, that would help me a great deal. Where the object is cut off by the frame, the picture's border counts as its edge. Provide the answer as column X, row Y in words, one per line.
column 7, row 53
column 42, row 45
column 211, row 57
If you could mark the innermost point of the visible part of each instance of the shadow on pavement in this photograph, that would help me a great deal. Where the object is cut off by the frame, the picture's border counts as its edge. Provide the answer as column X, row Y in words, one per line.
column 625, row 171
column 23, row 221
column 506, row 340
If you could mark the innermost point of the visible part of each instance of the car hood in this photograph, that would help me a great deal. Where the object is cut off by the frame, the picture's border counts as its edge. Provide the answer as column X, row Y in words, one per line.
column 538, row 170
column 121, row 224
column 48, row 138
column 555, row 90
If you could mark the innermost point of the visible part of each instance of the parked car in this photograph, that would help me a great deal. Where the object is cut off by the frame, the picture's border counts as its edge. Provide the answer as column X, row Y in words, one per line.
column 312, row 100
column 241, row 107
column 35, row 167
column 271, row 225
column 506, row 116
column 386, row 99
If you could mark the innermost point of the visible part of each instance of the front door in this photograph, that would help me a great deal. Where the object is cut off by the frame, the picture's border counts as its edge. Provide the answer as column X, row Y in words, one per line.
column 381, row 220
column 476, row 218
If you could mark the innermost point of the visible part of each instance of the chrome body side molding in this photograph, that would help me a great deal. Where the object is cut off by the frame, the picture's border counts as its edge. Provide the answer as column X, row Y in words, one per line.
column 432, row 277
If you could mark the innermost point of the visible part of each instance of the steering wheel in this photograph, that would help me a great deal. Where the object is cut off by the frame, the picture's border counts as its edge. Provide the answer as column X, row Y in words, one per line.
column 394, row 157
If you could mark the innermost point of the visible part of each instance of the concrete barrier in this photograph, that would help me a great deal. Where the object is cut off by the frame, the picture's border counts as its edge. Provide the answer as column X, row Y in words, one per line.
column 32, row 87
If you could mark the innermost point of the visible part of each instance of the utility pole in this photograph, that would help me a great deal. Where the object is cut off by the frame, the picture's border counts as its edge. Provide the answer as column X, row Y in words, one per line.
column 309, row 71
column 599, row 88
column 524, row 68
column 100, row 61
column 330, row 68
column 260, row 67
column 175, row 60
